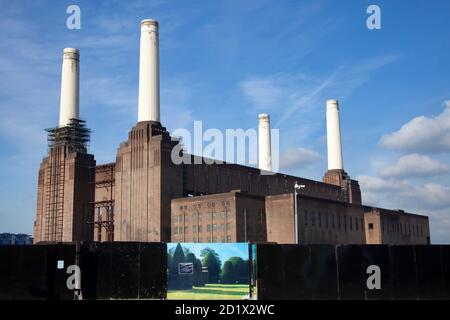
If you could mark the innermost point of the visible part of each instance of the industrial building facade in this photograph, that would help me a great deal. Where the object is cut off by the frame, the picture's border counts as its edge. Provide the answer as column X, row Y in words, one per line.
column 145, row 196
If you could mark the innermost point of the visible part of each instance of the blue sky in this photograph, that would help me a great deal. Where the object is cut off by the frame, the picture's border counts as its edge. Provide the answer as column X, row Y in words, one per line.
column 223, row 62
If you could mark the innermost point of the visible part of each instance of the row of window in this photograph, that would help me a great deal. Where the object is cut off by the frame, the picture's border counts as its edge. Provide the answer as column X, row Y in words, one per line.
column 199, row 216
column 333, row 221
column 197, row 229
column 209, row 204
column 205, row 239
column 415, row 230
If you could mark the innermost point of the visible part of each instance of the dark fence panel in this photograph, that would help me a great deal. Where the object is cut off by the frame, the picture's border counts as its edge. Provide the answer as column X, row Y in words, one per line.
column 127, row 270
column 445, row 258
column 153, row 271
column 351, row 275
column 30, row 272
column 429, row 272
column 324, row 272
column 124, row 270
column 298, row 271
column 403, row 272
column 341, row 272
column 377, row 255
column 270, row 273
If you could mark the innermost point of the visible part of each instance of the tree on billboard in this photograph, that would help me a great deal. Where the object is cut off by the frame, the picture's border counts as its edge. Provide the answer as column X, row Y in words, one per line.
column 211, row 260
column 227, row 272
column 235, row 270
column 178, row 256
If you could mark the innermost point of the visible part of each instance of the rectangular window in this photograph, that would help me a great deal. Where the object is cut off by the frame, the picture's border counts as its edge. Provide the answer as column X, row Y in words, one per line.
column 370, row 226
column 228, row 238
column 208, row 227
column 194, row 229
column 186, row 230
column 345, row 223
column 351, row 223
column 306, row 218
column 326, row 219
column 200, row 228
column 312, row 218
column 175, row 230
column 339, row 222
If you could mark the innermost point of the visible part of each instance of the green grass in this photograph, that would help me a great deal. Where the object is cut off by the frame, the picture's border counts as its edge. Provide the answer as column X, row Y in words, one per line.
column 211, row 292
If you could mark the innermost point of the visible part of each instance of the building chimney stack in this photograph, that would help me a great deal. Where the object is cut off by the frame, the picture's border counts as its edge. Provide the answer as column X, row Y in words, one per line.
column 264, row 143
column 334, row 136
column 149, row 72
column 70, row 87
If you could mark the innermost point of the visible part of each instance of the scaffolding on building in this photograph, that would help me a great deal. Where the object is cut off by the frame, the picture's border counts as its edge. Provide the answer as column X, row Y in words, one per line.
column 74, row 137
column 103, row 222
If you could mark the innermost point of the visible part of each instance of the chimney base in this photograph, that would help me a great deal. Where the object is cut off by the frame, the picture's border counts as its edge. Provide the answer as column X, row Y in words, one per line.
column 350, row 188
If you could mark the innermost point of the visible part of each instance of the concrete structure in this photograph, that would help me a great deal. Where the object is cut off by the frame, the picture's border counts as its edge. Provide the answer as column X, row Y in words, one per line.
column 264, row 143
column 395, row 227
column 334, row 145
column 145, row 196
column 336, row 174
column 149, row 72
column 65, row 190
column 70, row 87
column 224, row 217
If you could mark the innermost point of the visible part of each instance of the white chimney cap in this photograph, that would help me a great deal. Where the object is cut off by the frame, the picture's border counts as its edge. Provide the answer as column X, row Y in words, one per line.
column 149, row 21
column 71, row 50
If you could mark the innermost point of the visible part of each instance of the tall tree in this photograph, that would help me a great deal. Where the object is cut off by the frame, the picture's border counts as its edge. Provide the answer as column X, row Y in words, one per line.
column 228, row 272
column 178, row 256
column 214, row 268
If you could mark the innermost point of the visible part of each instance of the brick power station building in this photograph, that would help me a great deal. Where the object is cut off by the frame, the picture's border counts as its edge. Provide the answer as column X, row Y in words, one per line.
column 145, row 196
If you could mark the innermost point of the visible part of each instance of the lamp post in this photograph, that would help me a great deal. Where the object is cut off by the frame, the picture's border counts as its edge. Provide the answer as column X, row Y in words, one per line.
column 296, row 188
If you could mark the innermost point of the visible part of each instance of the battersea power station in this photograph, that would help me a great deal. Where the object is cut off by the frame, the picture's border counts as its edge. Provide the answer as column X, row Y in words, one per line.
column 144, row 196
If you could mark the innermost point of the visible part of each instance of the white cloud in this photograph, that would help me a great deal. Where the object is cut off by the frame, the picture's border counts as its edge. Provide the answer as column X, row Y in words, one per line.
column 401, row 193
column 422, row 134
column 379, row 184
column 297, row 157
column 414, row 165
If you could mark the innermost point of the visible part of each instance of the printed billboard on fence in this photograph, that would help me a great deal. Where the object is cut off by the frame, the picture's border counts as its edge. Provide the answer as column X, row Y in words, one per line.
column 205, row 271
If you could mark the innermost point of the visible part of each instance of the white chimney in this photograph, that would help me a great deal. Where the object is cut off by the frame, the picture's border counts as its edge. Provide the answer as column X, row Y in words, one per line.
column 264, row 144
column 149, row 72
column 334, row 136
column 70, row 87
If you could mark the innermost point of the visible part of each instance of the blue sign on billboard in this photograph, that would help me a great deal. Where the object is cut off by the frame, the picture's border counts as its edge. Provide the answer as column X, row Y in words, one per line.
column 185, row 268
